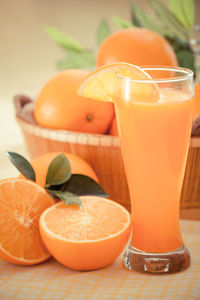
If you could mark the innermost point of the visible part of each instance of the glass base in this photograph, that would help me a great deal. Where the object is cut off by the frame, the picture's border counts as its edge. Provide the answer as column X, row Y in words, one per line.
column 157, row 263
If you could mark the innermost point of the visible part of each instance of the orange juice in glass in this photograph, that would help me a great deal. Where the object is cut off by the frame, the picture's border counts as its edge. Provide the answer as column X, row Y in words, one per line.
column 154, row 138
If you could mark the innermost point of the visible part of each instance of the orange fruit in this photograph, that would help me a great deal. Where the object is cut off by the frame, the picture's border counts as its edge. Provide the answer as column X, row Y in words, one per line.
column 86, row 237
column 105, row 84
column 59, row 106
column 196, row 107
column 41, row 163
column 21, row 203
column 139, row 46
column 114, row 129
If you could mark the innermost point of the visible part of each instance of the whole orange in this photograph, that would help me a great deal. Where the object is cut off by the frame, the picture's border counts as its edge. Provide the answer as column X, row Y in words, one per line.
column 139, row 46
column 41, row 163
column 59, row 106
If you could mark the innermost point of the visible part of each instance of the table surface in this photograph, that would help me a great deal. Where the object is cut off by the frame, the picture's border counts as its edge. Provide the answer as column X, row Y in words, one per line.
column 51, row 280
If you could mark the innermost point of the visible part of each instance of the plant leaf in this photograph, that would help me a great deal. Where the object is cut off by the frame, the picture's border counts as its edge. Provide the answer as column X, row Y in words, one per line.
column 169, row 20
column 77, row 60
column 188, row 8
column 134, row 19
column 22, row 165
column 66, row 197
column 102, row 32
column 148, row 21
column 59, row 171
column 183, row 11
column 184, row 53
column 63, row 39
column 186, row 59
column 122, row 23
column 83, row 185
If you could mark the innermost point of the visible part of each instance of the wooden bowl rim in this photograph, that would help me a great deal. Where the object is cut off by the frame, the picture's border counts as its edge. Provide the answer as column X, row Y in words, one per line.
column 61, row 135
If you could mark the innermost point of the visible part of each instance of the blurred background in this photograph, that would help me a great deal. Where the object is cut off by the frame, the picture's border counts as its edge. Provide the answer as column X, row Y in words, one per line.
column 28, row 55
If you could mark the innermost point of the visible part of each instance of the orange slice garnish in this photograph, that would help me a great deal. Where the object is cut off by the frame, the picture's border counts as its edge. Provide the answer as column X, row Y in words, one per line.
column 120, row 80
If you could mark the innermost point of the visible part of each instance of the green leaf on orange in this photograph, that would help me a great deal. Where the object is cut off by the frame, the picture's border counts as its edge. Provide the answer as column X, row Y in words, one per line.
column 59, row 171
column 66, row 197
column 22, row 165
column 83, row 185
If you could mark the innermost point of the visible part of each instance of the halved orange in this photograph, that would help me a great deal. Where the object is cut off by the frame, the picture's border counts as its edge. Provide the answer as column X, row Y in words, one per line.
column 122, row 80
column 88, row 237
column 21, row 203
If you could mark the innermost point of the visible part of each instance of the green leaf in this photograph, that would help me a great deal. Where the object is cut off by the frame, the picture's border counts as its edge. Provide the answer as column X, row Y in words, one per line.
column 186, row 59
column 22, row 165
column 147, row 21
column 66, row 197
column 102, row 32
column 77, row 60
column 134, row 19
column 63, row 39
column 178, row 44
column 59, row 171
column 122, row 23
column 184, row 11
column 83, row 185
column 169, row 20
column 184, row 53
column 188, row 8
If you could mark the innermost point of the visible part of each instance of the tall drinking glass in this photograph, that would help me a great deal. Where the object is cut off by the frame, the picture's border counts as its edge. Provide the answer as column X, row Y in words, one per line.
column 154, row 139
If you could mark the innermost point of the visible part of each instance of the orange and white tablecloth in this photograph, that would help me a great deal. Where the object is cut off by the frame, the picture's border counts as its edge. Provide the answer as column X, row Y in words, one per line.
column 51, row 280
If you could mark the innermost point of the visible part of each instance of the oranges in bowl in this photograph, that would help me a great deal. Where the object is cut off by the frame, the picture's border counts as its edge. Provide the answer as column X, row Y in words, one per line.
column 59, row 106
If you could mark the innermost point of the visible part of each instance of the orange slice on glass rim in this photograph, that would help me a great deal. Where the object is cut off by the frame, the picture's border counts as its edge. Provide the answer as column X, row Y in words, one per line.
column 120, row 80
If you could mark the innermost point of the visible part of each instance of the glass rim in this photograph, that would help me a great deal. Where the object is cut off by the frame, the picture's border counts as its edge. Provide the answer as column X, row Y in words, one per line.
column 186, row 74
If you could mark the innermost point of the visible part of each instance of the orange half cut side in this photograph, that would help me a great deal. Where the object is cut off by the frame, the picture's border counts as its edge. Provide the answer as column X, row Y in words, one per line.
column 21, row 203
column 88, row 237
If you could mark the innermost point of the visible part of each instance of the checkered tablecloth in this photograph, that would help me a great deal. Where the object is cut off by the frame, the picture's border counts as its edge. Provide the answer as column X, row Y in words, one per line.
column 51, row 280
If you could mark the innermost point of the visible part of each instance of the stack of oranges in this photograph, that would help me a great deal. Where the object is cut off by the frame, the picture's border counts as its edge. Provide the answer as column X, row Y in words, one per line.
column 58, row 106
